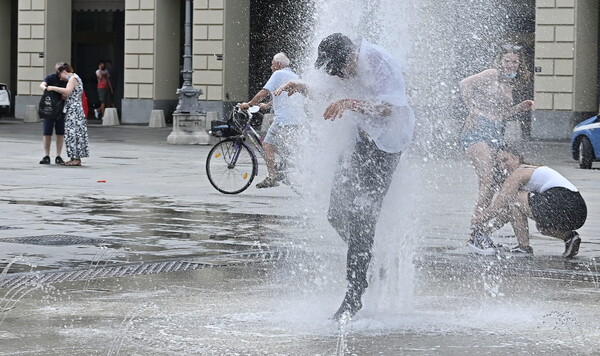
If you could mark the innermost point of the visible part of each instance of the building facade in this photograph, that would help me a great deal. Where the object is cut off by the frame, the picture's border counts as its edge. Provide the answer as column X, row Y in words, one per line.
column 144, row 40
column 566, row 65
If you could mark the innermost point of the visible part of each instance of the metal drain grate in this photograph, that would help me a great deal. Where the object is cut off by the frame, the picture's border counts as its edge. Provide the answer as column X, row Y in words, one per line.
column 9, row 227
column 58, row 240
column 121, row 270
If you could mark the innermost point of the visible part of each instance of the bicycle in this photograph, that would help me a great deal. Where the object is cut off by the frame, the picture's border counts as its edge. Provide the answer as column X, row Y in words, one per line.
column 232, row 163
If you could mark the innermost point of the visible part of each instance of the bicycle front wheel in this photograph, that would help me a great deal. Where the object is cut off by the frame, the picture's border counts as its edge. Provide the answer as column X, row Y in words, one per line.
column 231, row 166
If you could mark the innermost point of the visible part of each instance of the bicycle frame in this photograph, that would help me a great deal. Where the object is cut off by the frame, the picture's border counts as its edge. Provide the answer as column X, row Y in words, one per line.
column 226, row 176
column 248, row 134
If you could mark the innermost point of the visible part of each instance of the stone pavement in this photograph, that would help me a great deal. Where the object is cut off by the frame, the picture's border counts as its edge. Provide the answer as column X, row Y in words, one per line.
column 135, row 253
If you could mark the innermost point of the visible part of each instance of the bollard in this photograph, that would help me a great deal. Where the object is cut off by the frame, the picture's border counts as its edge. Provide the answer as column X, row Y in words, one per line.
column 157, row 119
column 110, row 117
column 31, row 114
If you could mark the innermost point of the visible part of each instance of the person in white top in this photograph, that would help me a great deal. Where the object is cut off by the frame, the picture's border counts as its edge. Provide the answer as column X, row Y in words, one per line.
column 376, row 102
column 538, row 193
column 289, row 116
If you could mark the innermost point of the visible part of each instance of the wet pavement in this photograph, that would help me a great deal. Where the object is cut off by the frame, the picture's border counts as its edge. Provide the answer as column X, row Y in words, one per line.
column 135, row 253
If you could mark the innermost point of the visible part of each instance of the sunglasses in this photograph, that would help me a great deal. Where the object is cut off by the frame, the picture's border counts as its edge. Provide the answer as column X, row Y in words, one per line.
column 509, row 47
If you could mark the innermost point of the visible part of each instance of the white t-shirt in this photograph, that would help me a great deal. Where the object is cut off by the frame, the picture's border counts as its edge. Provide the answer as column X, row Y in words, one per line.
column 379, row 79
column 289, row 110
column 544, row 178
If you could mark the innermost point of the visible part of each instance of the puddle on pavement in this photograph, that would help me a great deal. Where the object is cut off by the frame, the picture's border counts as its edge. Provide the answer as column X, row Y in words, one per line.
column 140, row 229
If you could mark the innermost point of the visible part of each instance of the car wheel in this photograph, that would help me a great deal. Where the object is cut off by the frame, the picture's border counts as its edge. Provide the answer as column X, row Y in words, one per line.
column 586, row 153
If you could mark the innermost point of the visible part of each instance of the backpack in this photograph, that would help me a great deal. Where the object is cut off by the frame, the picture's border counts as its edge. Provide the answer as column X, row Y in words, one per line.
column 51, row 105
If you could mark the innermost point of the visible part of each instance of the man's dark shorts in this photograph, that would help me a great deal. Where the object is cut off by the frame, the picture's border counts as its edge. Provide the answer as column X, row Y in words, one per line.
column 103, row 95
column 57, row 125
column 558, row 209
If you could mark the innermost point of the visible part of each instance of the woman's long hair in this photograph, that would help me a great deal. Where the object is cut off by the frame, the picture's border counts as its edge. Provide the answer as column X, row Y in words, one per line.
column 523, row 77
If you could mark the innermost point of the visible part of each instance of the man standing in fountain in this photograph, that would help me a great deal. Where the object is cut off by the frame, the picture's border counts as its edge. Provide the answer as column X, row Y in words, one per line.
column 376, row 101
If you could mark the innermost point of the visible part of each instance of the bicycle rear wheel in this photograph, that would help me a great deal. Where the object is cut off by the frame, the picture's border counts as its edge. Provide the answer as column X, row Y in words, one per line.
column 231, row 166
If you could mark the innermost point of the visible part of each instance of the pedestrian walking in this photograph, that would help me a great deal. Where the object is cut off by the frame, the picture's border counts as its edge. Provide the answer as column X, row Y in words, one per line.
column 104, row 89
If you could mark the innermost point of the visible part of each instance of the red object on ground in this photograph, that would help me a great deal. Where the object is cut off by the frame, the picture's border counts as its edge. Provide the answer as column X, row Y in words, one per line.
column 101, row 181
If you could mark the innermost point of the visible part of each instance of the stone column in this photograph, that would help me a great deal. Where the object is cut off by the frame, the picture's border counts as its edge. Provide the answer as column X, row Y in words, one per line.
column 39, row 46
column 152, row 33
column 565, row 65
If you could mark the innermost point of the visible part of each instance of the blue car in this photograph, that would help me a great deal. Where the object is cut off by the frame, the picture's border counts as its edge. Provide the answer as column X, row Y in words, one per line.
column 585, row 142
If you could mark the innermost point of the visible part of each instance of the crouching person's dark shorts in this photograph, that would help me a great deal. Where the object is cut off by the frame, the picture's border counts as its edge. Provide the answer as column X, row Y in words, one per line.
column 558, row 209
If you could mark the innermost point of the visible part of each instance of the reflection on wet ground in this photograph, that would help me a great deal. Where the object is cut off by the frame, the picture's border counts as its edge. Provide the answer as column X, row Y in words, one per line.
column 250, row 310
column 141, row 229
column 166, row 236
column 553, row 267
column 154, row 276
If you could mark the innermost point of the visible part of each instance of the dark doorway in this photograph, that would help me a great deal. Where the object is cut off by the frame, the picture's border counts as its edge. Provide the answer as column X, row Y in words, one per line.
column 277, row 26
column 99, row 36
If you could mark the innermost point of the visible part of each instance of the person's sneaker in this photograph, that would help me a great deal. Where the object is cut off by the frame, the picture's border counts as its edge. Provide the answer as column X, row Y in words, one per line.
column 482, row 244
column 349, row 307
column 45, row 160
column 59, row 160
column 522, row 250
column 572, row 246
column 267, row 183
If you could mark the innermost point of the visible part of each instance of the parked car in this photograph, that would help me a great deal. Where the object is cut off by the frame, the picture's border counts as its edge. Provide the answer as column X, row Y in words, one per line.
column 5, row 100
column 585, row 142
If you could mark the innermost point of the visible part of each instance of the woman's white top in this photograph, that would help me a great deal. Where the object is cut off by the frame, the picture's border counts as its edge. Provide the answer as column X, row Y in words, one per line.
column 544, row 178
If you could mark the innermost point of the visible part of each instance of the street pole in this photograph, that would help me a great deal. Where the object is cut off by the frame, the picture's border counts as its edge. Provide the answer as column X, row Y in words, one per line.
column 188, row 95
column 189, row 121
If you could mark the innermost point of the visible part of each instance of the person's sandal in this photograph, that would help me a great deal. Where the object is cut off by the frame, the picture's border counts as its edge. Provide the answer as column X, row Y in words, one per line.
column 267, row 183
column 45, row 160
column 59, row 160
column 74, row 162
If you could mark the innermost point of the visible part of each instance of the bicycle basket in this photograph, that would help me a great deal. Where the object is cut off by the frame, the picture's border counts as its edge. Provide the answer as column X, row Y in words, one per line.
column 222, row 129
column 238, row 120
column 256, row 120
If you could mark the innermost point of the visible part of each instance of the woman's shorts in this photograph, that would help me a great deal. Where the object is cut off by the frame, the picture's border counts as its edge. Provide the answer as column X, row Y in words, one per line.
column 52, row 124
column 485, row 130
column 558, row 209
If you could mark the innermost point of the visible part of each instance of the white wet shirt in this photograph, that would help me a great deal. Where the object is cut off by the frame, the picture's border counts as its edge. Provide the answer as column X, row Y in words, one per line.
column 289, row 110
column 379, row 80
column 544, row 178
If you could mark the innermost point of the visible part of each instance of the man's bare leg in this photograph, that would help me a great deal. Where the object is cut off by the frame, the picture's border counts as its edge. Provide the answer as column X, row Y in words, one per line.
column 47, row 142
column 270, row 159
column 60, row 140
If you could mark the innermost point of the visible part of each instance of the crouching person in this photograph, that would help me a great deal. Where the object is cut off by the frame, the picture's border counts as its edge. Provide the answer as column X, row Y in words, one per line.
column 538, row 193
